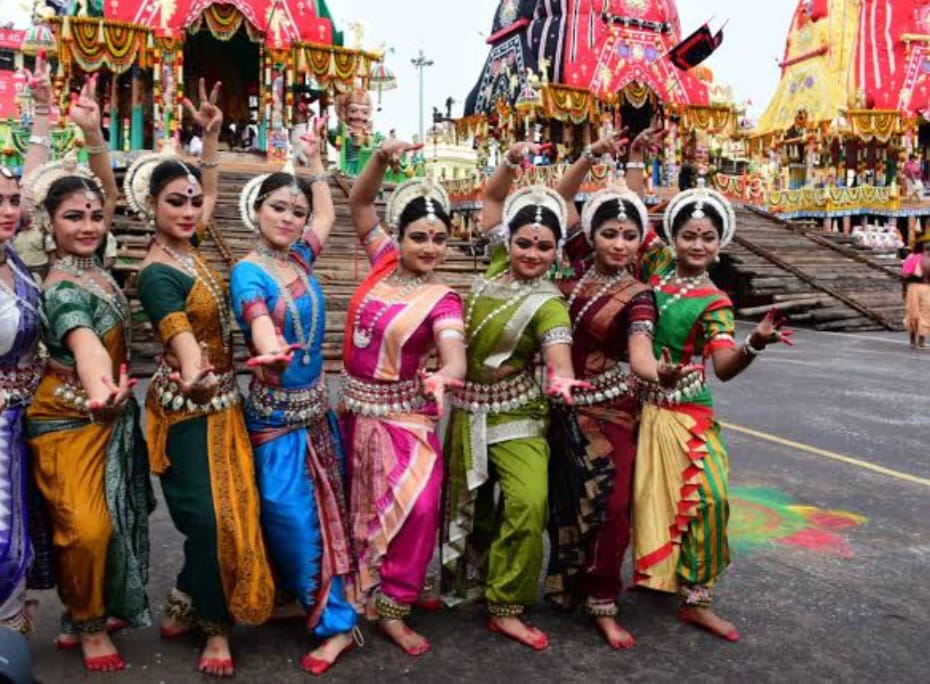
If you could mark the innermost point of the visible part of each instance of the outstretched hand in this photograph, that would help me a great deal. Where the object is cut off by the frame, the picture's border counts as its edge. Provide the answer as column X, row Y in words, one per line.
column 203, row 386
column 562, row 388
column 39, row 80
column 771, row 330
column 436, row 385
column 108, row 409
column 276, row 361
column 84, row 111
column 207, row 114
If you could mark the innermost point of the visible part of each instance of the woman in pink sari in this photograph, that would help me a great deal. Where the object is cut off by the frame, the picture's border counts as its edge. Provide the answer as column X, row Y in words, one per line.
column 397, row 318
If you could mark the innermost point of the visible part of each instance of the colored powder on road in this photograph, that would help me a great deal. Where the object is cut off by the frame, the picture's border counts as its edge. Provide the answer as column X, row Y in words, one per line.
column 762, row 517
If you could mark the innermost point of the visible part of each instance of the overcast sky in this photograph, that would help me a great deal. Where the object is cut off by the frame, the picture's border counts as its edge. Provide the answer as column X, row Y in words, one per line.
column 453, row 34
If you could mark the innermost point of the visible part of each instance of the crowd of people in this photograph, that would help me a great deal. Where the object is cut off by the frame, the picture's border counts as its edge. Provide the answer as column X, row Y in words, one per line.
column 575, row 406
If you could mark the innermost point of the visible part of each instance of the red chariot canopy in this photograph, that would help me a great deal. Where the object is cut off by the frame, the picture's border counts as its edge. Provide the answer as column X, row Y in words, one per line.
column 282, row 21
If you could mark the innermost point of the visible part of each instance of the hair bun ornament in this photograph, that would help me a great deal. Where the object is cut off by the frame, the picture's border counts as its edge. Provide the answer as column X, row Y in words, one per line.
column 695, row 201
column 536, row 196
column 412, row 189
column 39, row 181
column 137, row 182
column 620, row 192
column 247, row 199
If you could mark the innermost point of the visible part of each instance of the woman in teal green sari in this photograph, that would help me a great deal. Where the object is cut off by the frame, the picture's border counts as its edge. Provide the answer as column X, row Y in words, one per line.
column 497, row 431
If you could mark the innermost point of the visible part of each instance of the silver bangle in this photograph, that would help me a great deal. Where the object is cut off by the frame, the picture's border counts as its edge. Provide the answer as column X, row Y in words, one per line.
column 513, row 166
column 97, row 149
column 749, row 349
column 44, row 110
column 635, row 165
column 318, row 178
column 588, row 153
column 204, row 164
column 40, row 140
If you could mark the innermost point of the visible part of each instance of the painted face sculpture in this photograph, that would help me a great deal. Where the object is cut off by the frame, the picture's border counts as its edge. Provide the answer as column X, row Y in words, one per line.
column 354, row 110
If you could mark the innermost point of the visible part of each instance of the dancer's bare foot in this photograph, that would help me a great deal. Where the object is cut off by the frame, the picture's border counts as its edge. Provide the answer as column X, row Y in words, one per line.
column 705, row 618
column 409, row 641
column 613, row 633
column 100, row 655
column 320, row 659
column 216, row 659
column 519, row 631
column 66, row 641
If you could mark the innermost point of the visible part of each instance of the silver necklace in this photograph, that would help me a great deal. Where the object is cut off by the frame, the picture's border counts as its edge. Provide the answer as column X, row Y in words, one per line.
column 83, row 269
column 523, row 288
column 361, row 337
column 685, row 286
column 592, row 275
column 192, row 264
column 271, row 263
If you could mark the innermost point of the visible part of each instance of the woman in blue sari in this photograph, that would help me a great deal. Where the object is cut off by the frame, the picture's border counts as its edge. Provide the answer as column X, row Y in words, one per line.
column 298, row 456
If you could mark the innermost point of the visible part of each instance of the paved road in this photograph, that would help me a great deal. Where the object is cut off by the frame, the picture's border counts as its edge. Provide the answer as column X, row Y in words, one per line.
column 831, row 579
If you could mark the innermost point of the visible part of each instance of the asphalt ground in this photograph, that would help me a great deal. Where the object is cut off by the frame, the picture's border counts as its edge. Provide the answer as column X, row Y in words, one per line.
column 830, row 579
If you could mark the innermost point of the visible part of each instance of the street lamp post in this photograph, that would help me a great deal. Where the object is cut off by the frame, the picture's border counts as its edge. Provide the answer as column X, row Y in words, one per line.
column 421, row 63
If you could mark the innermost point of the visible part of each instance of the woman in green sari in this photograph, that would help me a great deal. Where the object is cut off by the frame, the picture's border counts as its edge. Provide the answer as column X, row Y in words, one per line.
column 497, row 431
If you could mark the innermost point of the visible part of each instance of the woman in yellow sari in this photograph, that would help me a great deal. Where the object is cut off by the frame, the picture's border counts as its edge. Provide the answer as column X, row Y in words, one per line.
column 196, row 430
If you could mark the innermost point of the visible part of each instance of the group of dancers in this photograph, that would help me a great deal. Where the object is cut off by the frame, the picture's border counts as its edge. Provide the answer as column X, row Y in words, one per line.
column 557, row 388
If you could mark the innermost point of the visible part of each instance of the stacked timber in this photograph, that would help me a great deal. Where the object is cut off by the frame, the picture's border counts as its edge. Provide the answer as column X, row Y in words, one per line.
column 817, row 282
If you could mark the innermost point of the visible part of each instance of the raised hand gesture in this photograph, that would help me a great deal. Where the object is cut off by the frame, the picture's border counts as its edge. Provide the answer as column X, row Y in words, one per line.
column 393, row 149
column 39, row 80
column 108, row 409
column 614, row 144
column 435, row 385
column 562, row 387
column 312, row 143
column 207, row 114
column 521, row 150
column 84, row 111
column 651, row 138
column 770, row 330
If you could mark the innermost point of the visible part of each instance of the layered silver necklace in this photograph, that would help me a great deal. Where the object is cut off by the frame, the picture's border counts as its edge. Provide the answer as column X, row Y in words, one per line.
column 361, row 337
column 521, row 288
column 685, row 285
column 83, row 269
column 194, row 267
column 592, row 274
column 272, row 260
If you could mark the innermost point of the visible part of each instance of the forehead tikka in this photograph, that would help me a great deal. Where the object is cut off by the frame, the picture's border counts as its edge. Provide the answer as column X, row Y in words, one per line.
column 430, row 210
column 698, row 212
column 191, row 189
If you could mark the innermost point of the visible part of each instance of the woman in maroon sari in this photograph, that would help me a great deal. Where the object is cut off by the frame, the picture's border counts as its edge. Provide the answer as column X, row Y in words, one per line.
column 613, row 318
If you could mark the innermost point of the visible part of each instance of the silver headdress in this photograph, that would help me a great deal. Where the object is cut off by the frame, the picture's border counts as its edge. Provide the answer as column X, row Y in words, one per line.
column 249, row 196
column 408, row 191
column 621, row 193
column 137, row 183
column 539, row 197
column 695, row 201
column 38, row 183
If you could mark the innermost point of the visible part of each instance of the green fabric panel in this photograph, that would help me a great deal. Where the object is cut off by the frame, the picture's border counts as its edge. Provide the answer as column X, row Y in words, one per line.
column 163, row 290
column 67, row 307
column 189, row 496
